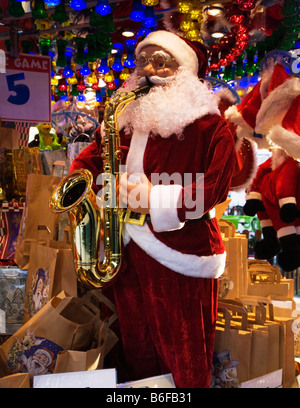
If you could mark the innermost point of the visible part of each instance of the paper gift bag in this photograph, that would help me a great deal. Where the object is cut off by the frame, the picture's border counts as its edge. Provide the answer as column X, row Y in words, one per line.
column 38, row 223
column 286, row 339
column 9, row 138
column 52, row 159
column 232, row 351
column 236, row 248
column 51, row 270
column 93, row 359
column 259, row 342
column 265, row 347
column 75, row 148
column 18, row 380
column 25, row 161
column 10, row 220
column 64, row 323
column 12, row 293
column 266, row 280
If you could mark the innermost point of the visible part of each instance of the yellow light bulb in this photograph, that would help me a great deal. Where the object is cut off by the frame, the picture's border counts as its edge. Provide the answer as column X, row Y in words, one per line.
column 195, row 13
column 124, row 74
column 109, row 77
column 54, row 81
column 184, row 6
column 187, row 24
column 193, row 35
column 150, row 3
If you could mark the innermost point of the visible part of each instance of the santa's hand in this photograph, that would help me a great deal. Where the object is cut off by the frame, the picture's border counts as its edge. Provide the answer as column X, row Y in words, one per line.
column 288, row 212
column 252, row 206
column 135, row 195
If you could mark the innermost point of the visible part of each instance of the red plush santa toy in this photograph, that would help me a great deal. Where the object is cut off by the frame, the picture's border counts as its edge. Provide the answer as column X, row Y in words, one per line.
column 274, row 193
column 179, row 160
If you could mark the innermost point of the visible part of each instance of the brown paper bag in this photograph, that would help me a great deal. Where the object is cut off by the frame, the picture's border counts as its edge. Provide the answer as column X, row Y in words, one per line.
column 64, row 323
column 51, row 270
column 9, row 138
column 232, row 351
column 265, row 347
column 286, row 338
column 236, row 248
column 18, row 380
column 40, row 278
column 93, row 359
column 259, row 342
column 38, row 223
column 266, row 280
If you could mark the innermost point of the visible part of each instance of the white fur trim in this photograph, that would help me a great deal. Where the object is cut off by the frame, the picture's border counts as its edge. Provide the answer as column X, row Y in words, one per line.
column 298, row 230
column 180, row 50
column 253, row 195
column 286, row 200
column 287, row 140
column 136, row 152
column 211, row 266
column 266, row 223
column 275, row 106
column 163, row 207
column 282, row 232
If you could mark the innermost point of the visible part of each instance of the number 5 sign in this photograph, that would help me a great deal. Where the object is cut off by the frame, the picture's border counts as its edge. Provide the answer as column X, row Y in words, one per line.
column 25, row 89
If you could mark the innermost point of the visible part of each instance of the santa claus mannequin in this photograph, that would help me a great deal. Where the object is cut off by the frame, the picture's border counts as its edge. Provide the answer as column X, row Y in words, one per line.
column 180, row 158
column 275, row 194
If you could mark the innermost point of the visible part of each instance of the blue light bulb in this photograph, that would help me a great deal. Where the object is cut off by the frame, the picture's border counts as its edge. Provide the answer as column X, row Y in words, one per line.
column 78, row 4
column 103, row 67
column 103, row 8
column 67, row 72
column 81, row 98
column 117, row 65
column 150, row 18
column 52, row 2
column 138, row 11
column 85, row 70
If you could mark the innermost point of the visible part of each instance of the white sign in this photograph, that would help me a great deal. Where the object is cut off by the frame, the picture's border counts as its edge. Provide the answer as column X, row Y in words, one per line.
column 271, row 380
column 161, row 381
column 105, row 378
column 25, row 89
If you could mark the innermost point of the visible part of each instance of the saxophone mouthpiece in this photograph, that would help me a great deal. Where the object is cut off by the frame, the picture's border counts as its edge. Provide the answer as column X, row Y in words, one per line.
column 143, row 89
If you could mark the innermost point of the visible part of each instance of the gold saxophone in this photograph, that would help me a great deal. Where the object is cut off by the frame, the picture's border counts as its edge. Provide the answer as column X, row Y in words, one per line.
column 74, row 195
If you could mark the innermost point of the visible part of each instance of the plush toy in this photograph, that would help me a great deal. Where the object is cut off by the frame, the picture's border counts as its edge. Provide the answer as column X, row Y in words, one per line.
column 47, row 140
column 274, row 194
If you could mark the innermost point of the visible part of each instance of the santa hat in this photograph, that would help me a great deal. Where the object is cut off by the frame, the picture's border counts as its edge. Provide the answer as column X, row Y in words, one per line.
column 243, row 116
column 189, row 54
column 279, row 115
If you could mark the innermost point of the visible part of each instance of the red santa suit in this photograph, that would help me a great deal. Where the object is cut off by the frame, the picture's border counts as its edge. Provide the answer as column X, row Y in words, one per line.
column 276, row 184
column 167, row 293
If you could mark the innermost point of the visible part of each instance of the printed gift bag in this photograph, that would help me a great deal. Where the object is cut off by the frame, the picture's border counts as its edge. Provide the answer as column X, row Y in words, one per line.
column 232, row 351
column 38, row 223
column 12, row 293
column 10, row 220
column 51, row 270
column 64, row 323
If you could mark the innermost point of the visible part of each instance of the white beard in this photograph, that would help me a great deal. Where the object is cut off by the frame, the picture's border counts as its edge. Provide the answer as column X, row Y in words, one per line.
column 168, row 109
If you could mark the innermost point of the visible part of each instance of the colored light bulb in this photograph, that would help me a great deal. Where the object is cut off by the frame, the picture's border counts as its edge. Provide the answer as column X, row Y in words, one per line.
column 60, row 15
column 103, row 7
column 138, row 11
column 78, row 4
column 15, row 9
column 39, row 10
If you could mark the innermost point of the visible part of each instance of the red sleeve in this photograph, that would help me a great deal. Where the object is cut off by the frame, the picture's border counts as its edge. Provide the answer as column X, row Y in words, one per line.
column 212, row 186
